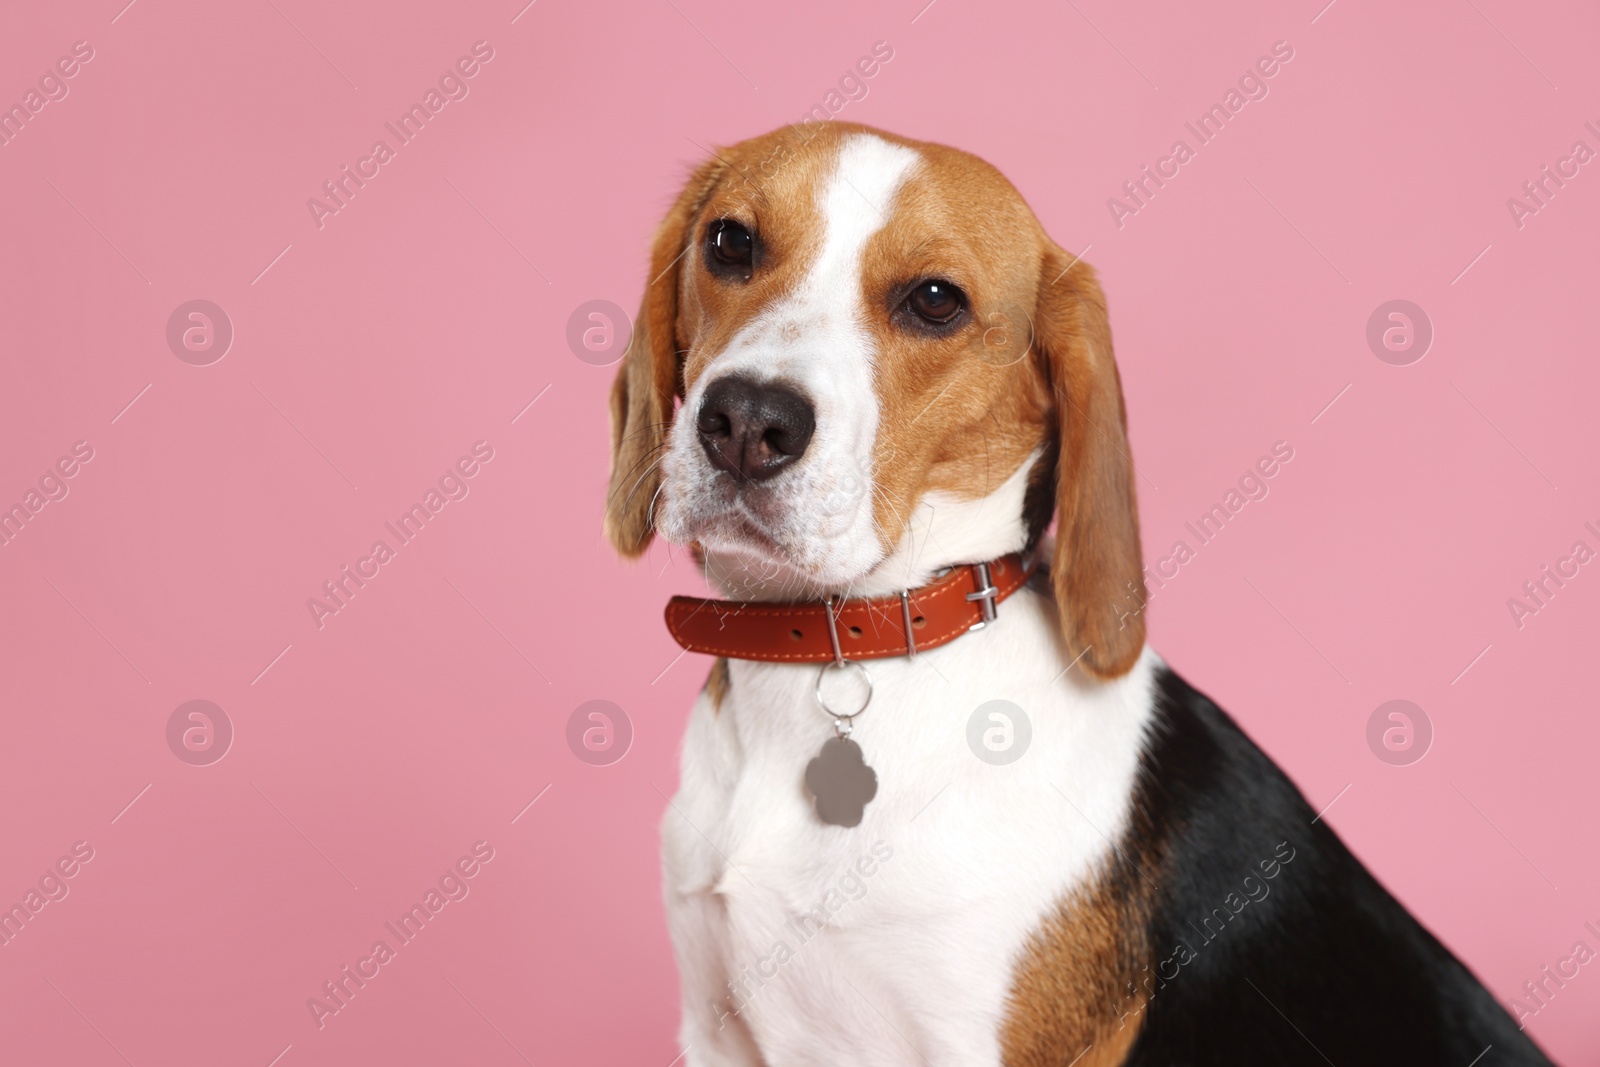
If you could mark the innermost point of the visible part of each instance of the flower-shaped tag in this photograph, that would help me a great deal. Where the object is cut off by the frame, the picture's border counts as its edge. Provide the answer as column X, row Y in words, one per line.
column 841, row 781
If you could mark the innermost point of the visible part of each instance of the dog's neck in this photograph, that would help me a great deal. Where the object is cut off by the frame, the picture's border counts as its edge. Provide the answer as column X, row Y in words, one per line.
column 943, row 531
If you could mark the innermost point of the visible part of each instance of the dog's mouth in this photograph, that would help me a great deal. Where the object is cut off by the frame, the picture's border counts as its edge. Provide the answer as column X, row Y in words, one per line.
column 745, row 519
column 736, row 530
column 804, row 525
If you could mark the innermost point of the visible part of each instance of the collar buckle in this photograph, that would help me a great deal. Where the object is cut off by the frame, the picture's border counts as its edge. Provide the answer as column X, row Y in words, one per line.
column 984, row 597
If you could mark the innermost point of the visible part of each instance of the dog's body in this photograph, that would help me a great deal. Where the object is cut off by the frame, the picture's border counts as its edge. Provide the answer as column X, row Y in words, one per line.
column 1142, row 886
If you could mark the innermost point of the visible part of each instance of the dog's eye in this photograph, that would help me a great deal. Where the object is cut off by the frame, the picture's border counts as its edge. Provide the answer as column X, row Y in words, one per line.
column 731, row 245
column 936, row 302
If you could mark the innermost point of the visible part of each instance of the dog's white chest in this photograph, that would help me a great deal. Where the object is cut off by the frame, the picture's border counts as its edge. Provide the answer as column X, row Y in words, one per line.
column 893, row 941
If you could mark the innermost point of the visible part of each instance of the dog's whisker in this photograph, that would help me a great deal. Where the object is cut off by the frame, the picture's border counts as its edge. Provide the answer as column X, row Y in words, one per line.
column 650, row 461
column 652, row 469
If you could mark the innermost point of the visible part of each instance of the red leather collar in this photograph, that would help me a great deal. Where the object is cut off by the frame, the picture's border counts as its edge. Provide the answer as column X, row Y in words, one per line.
column 878, row 628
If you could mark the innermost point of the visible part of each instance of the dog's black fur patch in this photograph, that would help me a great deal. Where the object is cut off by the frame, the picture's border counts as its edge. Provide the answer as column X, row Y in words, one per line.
column 1326, row 967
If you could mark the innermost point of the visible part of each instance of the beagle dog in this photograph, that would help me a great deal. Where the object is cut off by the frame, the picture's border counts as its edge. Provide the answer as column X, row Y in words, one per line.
column 939, row 802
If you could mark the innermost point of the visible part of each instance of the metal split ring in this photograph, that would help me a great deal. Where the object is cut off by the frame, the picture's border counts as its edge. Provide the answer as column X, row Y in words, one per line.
column 841, row 722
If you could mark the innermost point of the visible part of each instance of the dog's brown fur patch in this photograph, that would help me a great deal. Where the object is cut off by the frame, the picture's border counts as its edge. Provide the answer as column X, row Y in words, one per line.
column 1075, row 995
column 717, row 682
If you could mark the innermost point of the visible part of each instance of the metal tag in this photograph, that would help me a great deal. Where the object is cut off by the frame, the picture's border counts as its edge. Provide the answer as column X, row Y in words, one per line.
column 841, row 782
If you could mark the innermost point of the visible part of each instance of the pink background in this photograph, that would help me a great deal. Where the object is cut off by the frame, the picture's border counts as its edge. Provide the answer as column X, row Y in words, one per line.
column 427, row 714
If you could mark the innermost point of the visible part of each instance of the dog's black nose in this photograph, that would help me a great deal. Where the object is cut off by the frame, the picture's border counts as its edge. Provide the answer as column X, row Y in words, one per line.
column 754, row 430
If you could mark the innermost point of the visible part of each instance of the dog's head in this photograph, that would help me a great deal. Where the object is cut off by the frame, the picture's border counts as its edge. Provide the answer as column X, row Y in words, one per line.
column 842, row 327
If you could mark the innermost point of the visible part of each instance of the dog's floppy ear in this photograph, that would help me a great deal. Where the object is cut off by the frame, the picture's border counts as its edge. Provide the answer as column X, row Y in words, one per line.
column 1098, row 571
column 650, row 377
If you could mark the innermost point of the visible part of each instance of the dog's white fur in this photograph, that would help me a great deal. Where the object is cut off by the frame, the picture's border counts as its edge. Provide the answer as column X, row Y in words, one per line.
column 916, row 968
